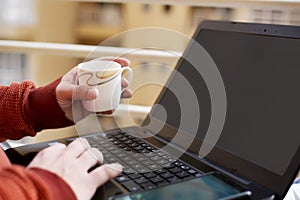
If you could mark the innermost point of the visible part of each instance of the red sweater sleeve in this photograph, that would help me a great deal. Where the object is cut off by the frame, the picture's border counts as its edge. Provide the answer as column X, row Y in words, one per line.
column 21, row 183
column 42, row 110
column 12, row 103
column 25, row 110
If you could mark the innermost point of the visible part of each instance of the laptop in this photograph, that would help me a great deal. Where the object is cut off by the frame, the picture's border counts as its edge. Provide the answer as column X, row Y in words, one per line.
column 240, row 119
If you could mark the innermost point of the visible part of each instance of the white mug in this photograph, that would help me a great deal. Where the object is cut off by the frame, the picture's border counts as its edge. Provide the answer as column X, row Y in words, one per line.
column 106, row 77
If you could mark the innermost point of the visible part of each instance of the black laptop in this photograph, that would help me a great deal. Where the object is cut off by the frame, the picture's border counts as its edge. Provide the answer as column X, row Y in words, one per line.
column 242, row 134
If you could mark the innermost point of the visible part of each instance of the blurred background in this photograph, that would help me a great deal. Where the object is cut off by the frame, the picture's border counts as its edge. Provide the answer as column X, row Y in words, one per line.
column 86, row 22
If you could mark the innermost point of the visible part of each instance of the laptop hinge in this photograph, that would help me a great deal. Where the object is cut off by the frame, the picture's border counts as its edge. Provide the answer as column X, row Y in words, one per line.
column 220, row 169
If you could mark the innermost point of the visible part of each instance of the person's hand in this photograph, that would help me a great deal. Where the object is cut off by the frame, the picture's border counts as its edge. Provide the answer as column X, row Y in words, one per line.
column 73, row 162
column 68, row 92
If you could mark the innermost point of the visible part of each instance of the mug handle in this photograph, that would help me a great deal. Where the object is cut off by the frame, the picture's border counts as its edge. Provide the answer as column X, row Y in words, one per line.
column 130, row 74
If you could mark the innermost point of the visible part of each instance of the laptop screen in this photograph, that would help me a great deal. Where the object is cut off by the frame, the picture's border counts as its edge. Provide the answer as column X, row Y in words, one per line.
column 261, row 75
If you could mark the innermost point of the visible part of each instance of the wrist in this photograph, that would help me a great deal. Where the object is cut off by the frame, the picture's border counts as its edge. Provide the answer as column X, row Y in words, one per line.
column 42, row 110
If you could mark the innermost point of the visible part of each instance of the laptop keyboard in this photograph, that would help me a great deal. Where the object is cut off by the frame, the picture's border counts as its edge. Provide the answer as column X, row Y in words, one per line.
column 144, row 166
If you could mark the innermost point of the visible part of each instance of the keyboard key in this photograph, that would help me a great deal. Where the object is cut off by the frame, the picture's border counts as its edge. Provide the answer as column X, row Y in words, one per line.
column 162, row 183
column 112, row 148
column 184, row 167
column 141, row 180
column 135, row 139
column 157, row 179
column 110, row 159
column 177, row 163
column 110, row 138
column 174, row 179
column 167, row 175
column 116, row 142
column 182, row 174
column 127, row 159
column 131, row 162
column 138, row 148
column 160, row 171
column 137, row 166
column 116, row 152
column 140, row 142
column 141, row 159
column 127, row 149
column 128, row 171
column 175, row 170
column 148, row 162
column 144, row 145
column 171, row 160
column 131, row 186
column 162, row 162
column 103, row 145
column 122, row 139
column 148, row 185
column 144, row 151
column 133, row 145
column 135, row 155
column 167, row 157
column 134, row 176
column 170, row 166
column 121, row 178
column 128, row 142
column 103, row 142
column 121, row 155
column 122, row 146
column 156, row 158
column 149, row 175
column 100, row 148
column 150, row 148
column 143, row 170
column 153, row 167
column 160, row 153
column 150, row 155
column 192, row 171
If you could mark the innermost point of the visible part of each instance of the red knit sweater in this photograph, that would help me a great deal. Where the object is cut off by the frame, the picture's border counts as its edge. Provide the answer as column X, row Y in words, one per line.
column 25, row 110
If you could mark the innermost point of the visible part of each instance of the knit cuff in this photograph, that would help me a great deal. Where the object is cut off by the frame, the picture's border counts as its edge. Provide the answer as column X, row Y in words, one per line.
column 12, row 119
column 42, row 110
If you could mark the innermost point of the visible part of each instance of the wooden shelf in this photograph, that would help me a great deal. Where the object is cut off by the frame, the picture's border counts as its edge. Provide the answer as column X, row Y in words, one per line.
column 96, row 32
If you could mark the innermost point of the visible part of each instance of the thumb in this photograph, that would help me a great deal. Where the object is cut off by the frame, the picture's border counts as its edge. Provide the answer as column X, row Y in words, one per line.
column 67, row 92
column 84, row 92
column 105, row 172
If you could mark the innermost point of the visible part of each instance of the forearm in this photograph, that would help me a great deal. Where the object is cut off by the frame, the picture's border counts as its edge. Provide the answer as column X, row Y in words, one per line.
column 42, row 110
column 25, row 110
column 12, row 116
column 21, row 183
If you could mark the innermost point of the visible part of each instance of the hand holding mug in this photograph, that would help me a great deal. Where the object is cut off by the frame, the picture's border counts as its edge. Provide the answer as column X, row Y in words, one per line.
column 69, row 93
